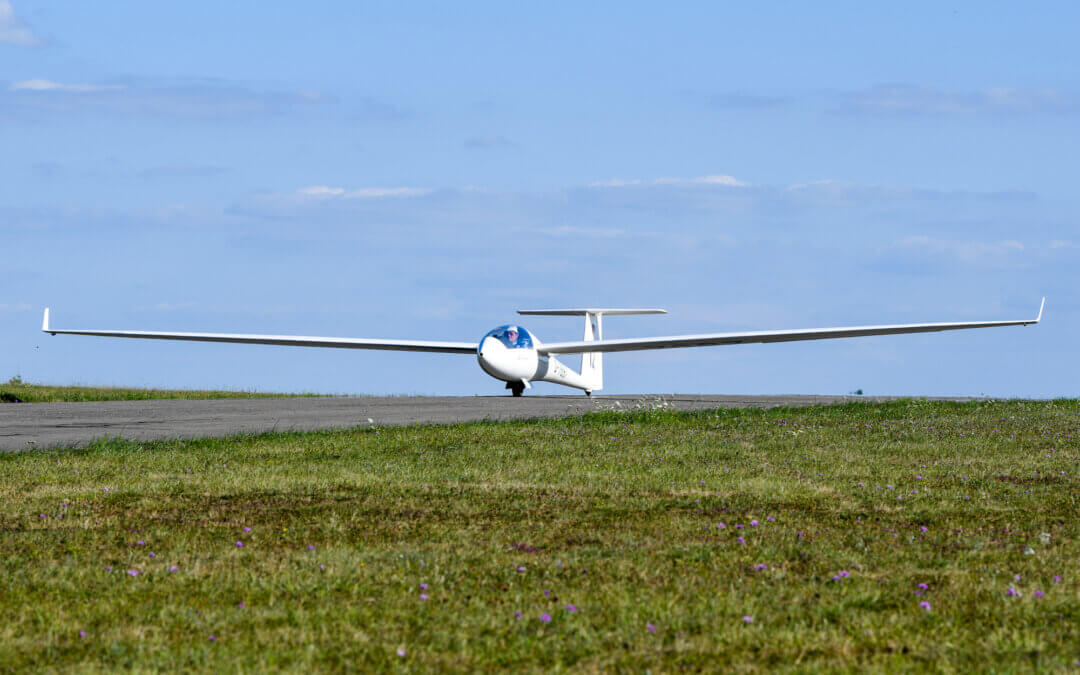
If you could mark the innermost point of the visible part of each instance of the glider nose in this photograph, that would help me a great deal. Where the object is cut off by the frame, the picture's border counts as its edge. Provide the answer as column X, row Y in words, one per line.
column 502, row 363
column 485, row 355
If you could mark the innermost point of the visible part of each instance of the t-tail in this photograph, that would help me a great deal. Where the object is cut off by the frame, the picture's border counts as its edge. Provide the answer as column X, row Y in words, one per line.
column 592, row 363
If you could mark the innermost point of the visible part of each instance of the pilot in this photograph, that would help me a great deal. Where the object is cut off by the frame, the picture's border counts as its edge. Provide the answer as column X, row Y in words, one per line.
column 512, row 336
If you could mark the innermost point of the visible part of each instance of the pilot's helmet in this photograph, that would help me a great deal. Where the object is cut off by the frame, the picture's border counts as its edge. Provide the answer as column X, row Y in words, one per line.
column 512, row 334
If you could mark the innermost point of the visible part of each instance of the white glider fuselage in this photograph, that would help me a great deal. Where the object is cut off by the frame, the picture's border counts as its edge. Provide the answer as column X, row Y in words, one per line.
column 509, row 353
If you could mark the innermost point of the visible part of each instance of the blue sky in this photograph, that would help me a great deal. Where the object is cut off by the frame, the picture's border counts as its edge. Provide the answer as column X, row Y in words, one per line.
column 425, row 169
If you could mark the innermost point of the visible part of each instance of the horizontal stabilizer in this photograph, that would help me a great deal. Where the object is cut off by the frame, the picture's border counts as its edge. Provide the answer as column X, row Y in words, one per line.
column 583, row 312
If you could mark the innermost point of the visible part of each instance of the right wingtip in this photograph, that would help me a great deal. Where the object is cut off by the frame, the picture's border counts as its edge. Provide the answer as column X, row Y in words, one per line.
column 1041, row 306
column 45, row 321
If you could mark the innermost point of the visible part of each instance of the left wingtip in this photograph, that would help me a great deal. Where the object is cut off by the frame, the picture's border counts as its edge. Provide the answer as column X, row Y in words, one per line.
column 1041, row 305
column 45, row 321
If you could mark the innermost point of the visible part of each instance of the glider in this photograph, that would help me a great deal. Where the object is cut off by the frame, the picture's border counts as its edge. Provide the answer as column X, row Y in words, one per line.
column 517, row 357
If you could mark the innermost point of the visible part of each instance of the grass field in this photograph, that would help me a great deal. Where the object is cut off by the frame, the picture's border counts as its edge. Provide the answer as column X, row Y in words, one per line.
column 900, row 536
column 15, row 391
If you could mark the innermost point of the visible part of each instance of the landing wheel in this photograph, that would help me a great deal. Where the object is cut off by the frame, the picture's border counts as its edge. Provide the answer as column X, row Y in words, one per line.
column 517, row 388
column 588, row 393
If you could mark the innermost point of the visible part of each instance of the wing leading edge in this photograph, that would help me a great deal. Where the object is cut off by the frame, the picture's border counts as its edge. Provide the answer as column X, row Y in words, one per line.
column 714, row 339
column 283, row 340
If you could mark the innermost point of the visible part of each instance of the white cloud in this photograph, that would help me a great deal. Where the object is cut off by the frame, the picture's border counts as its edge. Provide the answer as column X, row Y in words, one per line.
column 15, row 307
column 13, row 30
column 166, row 97
column 920, row 100
column 321, row 191
column 325, row 191
column 838, row 191
column 814, row 184
column 368, row 193
column 729, row 181
column 715, row 179
column 962, row 251
column 49, row 85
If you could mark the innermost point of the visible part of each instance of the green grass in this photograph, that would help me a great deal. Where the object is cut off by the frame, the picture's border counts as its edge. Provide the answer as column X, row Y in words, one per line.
column 615, row 514
column 16, row 390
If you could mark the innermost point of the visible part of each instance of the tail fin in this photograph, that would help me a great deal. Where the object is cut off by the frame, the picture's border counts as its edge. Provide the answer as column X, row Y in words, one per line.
column 592, row 363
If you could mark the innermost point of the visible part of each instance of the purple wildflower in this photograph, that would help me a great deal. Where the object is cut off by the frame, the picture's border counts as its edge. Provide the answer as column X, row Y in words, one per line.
column 401, row 653
column 1057, row 578
column 152, row 554
column 423, row 596
column 247, row 529
column 924, row 586
column 748, row 619
column 174, row 568
column 140, row 543
column 240, row 605
column 651, row 628
column 521, row 569
column 133, row 573
column 762, row 567
column 423, row 587
column 1013, row 593
column 108, row 568
column 1039, row 594
column 545, row 617
column 722, row 526
column 517, row 615
column 741, row 540
column 753, row 523
column 239, row 544
column 311, row 547
column 571, row 608
column 924, row 529
column 213, row 638
column 925, row 605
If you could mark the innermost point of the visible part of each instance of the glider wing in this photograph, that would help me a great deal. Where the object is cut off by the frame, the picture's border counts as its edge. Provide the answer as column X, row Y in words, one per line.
column 285, row 340
column 712, row 339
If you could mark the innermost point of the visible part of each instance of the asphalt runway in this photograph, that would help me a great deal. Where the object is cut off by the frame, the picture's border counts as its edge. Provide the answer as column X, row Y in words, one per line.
column 26, row 426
